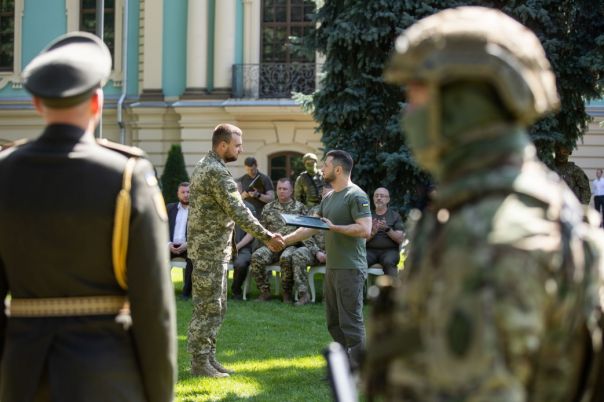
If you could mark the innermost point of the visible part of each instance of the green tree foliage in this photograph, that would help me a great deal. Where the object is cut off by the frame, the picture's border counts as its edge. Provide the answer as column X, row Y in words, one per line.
column 358, row 112
column 175, row 173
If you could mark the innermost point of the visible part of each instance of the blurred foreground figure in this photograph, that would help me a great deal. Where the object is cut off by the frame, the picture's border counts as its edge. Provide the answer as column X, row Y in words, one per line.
column 500, row 291
column 92, row 314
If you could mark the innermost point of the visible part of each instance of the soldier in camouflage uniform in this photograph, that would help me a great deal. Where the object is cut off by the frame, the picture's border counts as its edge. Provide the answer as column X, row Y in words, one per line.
column 497, row 293
column 309, row 184
column 214, row 204
column 271, row 219
column 312, row 253
column 573, row 175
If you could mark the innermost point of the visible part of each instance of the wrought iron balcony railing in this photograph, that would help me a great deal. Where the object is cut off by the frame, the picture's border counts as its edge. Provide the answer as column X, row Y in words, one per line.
column 273, row 80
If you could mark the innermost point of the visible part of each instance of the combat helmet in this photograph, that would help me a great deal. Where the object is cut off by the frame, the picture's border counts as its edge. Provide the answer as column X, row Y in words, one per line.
column 477, row 43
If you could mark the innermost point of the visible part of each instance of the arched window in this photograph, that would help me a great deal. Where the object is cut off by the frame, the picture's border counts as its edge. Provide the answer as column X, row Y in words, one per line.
column 285, row 164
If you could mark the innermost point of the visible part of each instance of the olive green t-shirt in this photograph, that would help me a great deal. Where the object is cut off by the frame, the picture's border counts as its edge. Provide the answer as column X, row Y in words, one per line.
column 344, row 208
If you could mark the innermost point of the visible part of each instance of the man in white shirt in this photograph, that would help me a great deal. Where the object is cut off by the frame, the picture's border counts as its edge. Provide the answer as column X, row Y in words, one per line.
column 178, row 214
column 598, row 192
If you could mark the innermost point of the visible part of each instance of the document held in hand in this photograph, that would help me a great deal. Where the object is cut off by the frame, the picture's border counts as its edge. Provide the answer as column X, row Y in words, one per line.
column 304, row 221
column 257, row 184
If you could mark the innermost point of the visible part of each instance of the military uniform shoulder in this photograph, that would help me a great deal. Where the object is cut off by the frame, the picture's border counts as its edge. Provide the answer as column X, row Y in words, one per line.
column 126, row 150
column 14, row 144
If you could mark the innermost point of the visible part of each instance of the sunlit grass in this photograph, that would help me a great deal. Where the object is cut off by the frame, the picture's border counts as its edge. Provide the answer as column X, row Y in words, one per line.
column 274, row 348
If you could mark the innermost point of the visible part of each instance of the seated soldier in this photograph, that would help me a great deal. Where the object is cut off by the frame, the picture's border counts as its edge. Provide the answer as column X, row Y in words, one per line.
column 241, row 258
column 386, row 234
column 271, row 219
column 312, row 253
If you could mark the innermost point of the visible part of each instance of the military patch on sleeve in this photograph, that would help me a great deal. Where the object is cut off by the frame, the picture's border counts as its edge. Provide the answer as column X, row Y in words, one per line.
column 160, row 206
column 362, row 202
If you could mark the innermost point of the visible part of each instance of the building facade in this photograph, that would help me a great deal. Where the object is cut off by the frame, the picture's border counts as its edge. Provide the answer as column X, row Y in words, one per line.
column 180, row 67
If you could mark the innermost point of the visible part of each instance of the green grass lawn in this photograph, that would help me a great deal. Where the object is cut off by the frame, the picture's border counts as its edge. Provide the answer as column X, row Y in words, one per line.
column 274, row 348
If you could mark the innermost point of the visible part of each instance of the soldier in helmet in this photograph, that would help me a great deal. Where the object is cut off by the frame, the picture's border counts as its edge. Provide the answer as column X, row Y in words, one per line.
column 309, row 184
column 77, row 263
column 572, row 174
column 493, row 304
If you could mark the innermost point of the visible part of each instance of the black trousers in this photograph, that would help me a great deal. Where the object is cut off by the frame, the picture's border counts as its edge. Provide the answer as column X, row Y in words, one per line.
column 187, row 286
column 599, row 205
column 241, row 265
column 387, row 257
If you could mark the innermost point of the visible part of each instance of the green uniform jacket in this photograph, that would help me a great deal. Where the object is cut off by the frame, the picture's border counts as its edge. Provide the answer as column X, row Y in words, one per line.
column 57, row 208
column 489, row 307
column 214, row 204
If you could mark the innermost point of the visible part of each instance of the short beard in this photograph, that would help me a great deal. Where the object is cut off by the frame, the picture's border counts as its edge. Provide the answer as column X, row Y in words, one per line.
column 230, row 158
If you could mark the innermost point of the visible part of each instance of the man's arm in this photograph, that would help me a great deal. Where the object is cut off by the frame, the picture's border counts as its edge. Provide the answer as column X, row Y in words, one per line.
column 361, row 227
column 299, row 191
column 298, row 235
column 230, row 200
column 244, row 241
column 267, row 197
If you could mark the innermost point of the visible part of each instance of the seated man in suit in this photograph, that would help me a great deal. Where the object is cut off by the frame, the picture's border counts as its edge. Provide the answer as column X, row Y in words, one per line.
column 387, row 234
column 178, row 215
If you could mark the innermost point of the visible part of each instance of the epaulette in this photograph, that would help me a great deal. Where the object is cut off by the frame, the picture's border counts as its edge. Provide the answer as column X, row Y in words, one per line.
column 14, row 144
column 121, row 148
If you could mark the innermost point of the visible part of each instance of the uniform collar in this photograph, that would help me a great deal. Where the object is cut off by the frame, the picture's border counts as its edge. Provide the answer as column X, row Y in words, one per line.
column 214, row 155
column 65, row 133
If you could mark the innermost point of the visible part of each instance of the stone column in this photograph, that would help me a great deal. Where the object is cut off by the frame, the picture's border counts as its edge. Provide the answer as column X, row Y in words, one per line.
column 224, row 47
column 197, row 48
column 152, row 30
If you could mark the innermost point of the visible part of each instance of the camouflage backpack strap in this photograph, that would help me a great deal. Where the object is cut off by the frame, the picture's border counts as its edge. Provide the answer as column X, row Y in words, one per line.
column 121, row 225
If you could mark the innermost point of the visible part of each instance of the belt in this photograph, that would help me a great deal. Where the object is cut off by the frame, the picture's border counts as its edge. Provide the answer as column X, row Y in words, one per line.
column 67, row 306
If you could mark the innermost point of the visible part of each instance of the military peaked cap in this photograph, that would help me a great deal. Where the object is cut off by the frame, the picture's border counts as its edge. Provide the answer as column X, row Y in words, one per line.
column 68, row 70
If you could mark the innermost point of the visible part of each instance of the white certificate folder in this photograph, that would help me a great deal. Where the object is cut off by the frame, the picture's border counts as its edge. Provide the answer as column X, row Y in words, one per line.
column 304, row 221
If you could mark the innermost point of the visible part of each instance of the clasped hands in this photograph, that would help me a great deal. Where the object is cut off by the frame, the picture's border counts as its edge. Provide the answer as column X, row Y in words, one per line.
column 276, row 243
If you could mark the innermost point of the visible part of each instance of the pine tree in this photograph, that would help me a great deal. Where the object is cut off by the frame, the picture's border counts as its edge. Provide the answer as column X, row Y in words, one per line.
column 358, row 112
column 174, row 173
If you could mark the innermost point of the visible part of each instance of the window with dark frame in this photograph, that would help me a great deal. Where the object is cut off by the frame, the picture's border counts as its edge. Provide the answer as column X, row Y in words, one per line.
column 88, row 21
column 285, row 164
column 7, row 35
column 283, row 23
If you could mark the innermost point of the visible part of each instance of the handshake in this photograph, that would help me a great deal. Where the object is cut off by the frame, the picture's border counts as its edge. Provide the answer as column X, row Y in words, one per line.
column 276, row 243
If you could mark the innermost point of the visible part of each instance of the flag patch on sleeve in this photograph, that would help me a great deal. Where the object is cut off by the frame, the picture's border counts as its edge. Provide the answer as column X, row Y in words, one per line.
column 362, row 202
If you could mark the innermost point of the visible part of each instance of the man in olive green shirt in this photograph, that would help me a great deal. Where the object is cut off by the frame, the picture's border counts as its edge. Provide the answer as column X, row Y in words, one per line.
column 346, row 211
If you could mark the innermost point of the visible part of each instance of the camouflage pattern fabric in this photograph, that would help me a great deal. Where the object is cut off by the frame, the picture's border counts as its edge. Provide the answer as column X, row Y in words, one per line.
column 263, row 257
column 308, row 189
column 271, row 219
column 306, row 256
column 576, row 180
column 214, row 204
column 209, row 307
column 490, row 307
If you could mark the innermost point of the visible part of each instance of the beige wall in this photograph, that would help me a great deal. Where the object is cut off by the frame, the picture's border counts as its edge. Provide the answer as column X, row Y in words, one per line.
column 589, row 154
